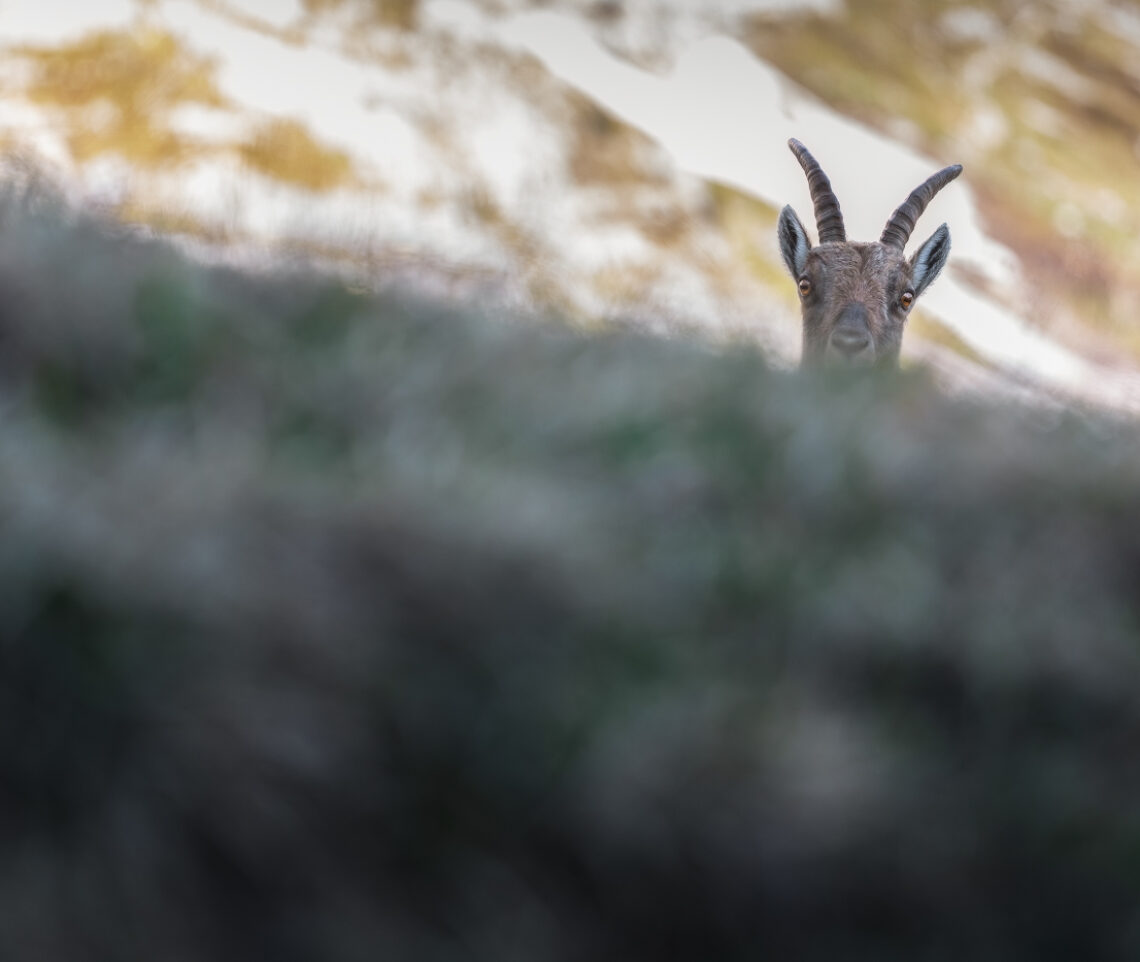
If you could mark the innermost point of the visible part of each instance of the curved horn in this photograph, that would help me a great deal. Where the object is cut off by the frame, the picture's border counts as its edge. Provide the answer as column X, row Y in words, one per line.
column 901, row 225
column 828, row 217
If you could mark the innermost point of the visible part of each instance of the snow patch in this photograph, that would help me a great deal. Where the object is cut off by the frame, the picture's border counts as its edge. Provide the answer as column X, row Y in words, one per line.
column 322, row 89
column 276, row 13
column 55, row 21
column 971, row 24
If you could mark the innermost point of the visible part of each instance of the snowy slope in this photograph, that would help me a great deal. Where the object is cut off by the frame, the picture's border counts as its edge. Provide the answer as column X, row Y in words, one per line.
column 553, row 158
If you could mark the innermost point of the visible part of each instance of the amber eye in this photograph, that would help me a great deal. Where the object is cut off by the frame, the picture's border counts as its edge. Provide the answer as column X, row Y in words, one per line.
column 906, row 300
column 805, row 287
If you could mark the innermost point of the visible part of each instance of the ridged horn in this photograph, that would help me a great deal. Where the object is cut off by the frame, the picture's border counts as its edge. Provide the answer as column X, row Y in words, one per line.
column 901, row 225
column 828, row 217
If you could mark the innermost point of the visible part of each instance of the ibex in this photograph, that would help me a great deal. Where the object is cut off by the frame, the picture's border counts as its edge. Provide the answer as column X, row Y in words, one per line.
column 855, row 297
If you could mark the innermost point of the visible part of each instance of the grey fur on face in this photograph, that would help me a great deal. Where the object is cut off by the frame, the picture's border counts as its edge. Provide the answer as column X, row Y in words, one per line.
column 854, row 296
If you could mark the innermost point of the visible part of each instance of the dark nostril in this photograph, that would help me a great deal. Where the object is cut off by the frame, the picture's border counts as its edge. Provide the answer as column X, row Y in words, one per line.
column 849, row 341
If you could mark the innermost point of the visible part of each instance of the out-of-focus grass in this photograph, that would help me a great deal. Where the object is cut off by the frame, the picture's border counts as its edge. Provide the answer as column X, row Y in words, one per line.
column 173, row 223
column 747, row 223
column 606, row 151
column 341, row 626
column 118, row 90
column 934, row 332
column 874, row 59
column 400, row 14
column 285, row 150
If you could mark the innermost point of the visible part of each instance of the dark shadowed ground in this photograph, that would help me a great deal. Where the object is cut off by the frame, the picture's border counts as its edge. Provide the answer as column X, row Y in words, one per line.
column 349, row 628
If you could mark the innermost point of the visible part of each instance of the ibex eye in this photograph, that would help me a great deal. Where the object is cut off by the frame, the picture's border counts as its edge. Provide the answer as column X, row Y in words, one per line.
column 906, row 300
column 805, row 287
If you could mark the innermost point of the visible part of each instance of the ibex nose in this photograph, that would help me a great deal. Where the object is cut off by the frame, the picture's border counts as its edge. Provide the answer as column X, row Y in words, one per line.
column 850, row 341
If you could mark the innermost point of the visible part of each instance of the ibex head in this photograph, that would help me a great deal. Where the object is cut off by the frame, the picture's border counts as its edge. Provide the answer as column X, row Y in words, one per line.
column 856, row 296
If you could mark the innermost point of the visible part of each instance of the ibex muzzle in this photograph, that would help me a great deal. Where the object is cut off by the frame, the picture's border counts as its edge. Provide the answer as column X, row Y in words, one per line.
column 855, row 297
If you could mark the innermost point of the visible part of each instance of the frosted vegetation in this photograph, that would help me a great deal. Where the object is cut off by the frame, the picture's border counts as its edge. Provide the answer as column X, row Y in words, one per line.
column 400, row 596
column 340, row 626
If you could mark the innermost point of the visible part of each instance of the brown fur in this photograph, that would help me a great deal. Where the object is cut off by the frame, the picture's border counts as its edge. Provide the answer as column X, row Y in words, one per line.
column 870, row 275
column 855, row 297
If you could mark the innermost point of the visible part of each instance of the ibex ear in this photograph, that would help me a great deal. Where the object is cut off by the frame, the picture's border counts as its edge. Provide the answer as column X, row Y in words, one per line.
column 929, row 260
column 794, row 243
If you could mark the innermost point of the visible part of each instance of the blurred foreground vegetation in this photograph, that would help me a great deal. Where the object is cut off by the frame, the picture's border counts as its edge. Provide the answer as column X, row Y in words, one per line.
column 339, row 627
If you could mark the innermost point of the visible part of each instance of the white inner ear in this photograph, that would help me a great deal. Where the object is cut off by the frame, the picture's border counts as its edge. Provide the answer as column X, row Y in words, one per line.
column 802, row 248
column 795, row 253
column 922, row 260
column 921, row 266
